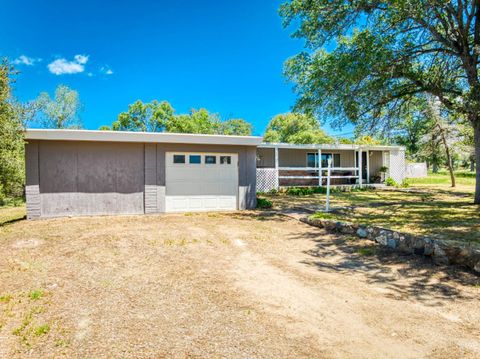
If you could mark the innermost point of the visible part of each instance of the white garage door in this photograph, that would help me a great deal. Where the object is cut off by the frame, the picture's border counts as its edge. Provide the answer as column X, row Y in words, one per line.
column 201, row 181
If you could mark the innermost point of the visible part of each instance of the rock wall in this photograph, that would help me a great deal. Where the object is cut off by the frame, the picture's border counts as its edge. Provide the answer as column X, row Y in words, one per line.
column 441, row 252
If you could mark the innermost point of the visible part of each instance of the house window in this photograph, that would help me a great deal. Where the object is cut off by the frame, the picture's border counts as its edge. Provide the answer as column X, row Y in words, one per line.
column 225, row 160
column 210, row 160
column 312, row 159
column 195, row 159
column 335, row 161
column 178, row 158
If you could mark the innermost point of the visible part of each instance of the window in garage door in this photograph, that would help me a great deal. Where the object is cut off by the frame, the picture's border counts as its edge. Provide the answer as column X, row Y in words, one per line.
column 205, row 182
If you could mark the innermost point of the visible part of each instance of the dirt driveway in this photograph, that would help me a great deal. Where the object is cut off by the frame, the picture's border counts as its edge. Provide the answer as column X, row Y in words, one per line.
column 223, row 285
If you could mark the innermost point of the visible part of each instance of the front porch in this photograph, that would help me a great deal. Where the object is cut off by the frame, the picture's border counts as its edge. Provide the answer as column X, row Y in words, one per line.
column 284, row 165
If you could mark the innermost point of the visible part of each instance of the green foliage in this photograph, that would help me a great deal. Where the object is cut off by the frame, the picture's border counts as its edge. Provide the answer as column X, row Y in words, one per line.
column 367, row 251
column 149, row 117
column 160, row 117
column 384, row 58
column 264, row 203
column 391, row 182
column 367, row 140
column 237, row 127
column 383, row 169
column 405, row 183
column 41, row 330
column 197, row 121
column 36, row 294
column 62, row 111
column 12, row 170
column 295, row 128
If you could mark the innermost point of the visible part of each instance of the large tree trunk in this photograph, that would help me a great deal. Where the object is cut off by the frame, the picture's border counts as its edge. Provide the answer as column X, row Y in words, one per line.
column 476, row 136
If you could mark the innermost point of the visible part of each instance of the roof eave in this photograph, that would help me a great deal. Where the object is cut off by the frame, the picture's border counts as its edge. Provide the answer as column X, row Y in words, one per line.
column 145, row 137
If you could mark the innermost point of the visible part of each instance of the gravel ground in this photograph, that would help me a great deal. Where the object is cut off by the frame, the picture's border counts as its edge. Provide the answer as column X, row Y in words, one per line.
column 235, row 285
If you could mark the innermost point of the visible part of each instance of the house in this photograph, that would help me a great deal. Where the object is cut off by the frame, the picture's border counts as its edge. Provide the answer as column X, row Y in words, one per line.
column 282, row 165
column 76, row 172
column 79, row 172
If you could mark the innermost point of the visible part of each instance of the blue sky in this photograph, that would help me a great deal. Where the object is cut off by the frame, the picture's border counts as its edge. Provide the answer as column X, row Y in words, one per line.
column 226, row 56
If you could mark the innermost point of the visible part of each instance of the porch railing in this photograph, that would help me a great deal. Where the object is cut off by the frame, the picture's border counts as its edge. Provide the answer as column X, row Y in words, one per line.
column 270, row 178
column 320, row 172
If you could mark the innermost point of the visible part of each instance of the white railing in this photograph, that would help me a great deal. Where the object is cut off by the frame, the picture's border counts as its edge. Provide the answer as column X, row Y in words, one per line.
column 319, row 172
column 268, row 178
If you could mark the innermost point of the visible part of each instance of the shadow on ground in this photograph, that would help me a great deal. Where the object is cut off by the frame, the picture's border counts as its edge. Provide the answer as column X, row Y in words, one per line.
column 400, row 276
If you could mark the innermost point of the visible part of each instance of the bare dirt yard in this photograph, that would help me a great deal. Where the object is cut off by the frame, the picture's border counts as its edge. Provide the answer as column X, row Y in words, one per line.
column 232, row 285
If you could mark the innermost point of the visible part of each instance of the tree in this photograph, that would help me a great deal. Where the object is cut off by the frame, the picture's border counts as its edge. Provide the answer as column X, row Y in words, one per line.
column 443, row 129
column 62, row 111
column 295, row 128
column 237, row 127
column 11, row 137
column 158, row 116
column 146, row 117
column 197, row 121
column 385, row 54
column 367, row 140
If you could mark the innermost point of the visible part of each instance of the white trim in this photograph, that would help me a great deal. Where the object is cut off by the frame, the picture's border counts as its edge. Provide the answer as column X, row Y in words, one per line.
column 146, row 137
column 330, row 146
column 360, row 168
column 368, row 165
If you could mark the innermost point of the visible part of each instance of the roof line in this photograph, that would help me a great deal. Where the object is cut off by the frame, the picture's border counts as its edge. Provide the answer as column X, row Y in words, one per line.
column 131, row 136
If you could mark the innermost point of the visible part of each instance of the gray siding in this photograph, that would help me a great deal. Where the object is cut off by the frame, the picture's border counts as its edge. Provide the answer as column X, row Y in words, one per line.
column 32, row 185
column 375, row 161
column 289, row 157
column 89, row 178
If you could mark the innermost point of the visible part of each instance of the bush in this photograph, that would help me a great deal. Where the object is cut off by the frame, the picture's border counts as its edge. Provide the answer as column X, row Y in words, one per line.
column 405, row 183
column 391, row 182
column 299, row 191
column 273, row 192
column 264, row 203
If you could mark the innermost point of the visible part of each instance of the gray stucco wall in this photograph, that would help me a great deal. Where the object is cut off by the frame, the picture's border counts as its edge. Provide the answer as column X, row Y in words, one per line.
column 89, row 178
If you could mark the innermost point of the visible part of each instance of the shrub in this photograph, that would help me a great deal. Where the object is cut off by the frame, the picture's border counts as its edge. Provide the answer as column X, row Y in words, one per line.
column 405, row 183
column 391, row 182
column 264, row 203
column 273, row 192
column 300, row 191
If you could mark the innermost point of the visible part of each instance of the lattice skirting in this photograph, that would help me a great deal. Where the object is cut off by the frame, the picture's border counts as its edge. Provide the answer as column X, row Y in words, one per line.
column 267, row 179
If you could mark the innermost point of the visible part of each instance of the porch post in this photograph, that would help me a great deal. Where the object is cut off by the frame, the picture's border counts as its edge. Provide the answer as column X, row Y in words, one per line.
column 360, row 167
column 276, row 167
column 319, row 164
column 368, row 166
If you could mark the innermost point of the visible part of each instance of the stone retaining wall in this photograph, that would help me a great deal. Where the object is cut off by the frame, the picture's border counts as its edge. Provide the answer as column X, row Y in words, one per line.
column 441, row 252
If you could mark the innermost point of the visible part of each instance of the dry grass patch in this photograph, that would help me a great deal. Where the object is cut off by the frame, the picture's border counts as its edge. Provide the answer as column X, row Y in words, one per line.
column 243, row 284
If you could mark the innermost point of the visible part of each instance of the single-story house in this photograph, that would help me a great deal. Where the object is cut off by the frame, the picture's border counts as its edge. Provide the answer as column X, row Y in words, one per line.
column 80, row 172
column 77, row 172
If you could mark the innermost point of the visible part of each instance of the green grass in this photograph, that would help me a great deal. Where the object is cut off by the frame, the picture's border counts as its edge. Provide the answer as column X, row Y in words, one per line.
column 462, row 178
column 6, row 298
column 41, row 330
column 367, row 251
column 36, row 294
column 430, row 207
column 11, row 213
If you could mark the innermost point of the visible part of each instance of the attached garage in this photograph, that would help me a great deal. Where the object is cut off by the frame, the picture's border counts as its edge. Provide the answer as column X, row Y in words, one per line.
column 76, row 172
column 201, row 181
